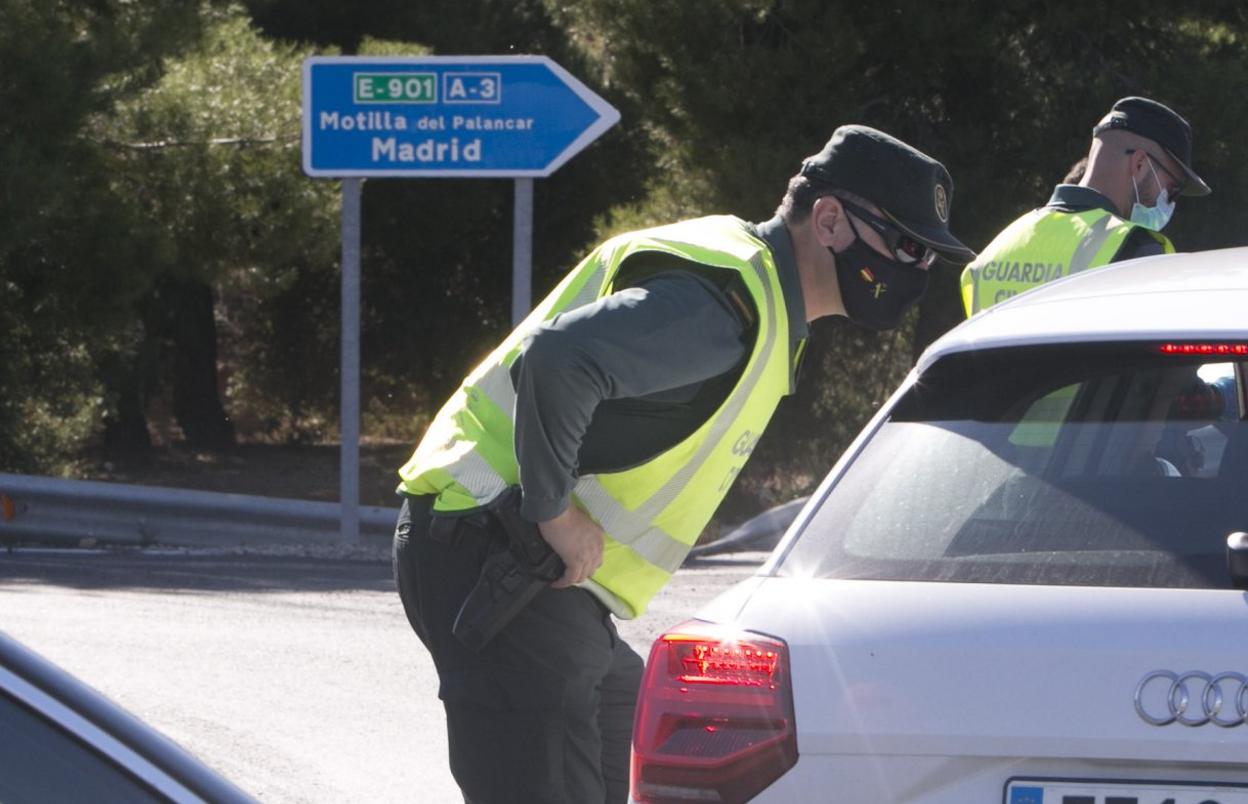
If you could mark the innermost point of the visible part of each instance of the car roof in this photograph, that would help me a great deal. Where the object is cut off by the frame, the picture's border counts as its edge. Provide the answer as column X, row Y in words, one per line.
column 1201, row 296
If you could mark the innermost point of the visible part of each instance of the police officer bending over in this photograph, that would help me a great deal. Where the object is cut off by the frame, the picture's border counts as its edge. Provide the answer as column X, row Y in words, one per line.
column 1138, row 166
column 624, row 406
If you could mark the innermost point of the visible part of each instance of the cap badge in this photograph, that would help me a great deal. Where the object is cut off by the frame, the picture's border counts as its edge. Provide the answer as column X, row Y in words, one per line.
column 942, row 203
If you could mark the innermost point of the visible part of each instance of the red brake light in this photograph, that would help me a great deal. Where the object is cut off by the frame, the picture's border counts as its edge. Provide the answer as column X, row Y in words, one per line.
column 696, row 660
column 715, row 716
column 1228, row 349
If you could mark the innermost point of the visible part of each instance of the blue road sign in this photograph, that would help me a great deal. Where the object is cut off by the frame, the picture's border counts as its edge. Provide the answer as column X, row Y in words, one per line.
column 445, row 116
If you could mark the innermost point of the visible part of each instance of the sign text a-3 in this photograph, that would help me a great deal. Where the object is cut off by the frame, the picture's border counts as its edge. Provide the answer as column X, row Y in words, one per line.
column 472, row 87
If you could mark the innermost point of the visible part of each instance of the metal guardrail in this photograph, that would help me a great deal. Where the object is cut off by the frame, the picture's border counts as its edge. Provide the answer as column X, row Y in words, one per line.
column 51, row 510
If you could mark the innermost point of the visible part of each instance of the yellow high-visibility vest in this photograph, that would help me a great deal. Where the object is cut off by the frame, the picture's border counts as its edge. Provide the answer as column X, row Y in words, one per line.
column 652, row 513
column 1041, row 246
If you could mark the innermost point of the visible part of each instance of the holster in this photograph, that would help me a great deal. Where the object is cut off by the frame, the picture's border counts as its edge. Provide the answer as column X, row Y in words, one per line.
column 510, row 577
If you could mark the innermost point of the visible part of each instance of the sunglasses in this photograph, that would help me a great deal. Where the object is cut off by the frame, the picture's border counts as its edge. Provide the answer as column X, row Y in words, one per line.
column 1176, row 189
column 904, row 248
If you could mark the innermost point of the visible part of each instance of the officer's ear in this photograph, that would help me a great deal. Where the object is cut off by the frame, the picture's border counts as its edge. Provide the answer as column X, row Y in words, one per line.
column 825, row 215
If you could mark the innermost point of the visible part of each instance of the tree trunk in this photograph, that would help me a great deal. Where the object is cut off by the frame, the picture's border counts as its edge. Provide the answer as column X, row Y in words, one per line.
column 125, row 428
column 191, row 332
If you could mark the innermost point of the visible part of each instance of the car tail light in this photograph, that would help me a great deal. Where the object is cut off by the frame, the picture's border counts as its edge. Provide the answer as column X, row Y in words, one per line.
column 714, row 718
column 1228, row 349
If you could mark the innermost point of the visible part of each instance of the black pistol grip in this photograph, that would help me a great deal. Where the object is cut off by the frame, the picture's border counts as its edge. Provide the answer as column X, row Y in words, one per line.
column 510, row 578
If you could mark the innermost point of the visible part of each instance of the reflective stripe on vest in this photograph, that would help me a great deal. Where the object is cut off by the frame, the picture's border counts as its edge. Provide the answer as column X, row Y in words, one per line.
column 664, row 551
column 1041, row 246
column 651, row 513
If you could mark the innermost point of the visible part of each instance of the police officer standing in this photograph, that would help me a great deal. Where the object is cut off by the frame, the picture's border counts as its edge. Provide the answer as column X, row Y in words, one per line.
column 1139, row 164
column 624, row 406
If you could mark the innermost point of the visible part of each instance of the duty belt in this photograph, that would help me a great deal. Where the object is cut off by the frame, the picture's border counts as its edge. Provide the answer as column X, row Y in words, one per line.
column 445, row 527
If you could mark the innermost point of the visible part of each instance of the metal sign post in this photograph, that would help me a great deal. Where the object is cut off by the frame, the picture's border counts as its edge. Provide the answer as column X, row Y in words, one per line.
column 349, row 426
column 522, row 251
column 441, row 116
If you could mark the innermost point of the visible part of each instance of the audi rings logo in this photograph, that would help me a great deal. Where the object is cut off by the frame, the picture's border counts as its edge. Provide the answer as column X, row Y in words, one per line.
column 1193, row 698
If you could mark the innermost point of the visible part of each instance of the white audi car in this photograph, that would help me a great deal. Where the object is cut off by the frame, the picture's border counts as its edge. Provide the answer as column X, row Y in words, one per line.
column 1022, row 584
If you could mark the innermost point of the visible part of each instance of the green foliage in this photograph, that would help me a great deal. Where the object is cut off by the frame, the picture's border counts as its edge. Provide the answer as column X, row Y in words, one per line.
column 732, row 94
column 152, row 146
column 50, row 406
column 66, row 274
column 213, row 152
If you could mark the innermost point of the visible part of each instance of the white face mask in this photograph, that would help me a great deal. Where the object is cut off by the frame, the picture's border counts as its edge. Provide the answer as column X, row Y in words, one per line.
column 1157, row 216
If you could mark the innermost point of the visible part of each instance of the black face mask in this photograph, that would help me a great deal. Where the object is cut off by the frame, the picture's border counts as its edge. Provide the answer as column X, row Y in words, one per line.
column 876, row 291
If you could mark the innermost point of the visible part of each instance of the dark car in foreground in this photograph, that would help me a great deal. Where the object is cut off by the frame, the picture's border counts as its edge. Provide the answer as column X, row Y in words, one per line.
column 61, row 741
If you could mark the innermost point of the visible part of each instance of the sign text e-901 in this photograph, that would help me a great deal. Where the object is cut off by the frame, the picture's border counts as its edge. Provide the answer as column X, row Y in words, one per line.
column 395, row 87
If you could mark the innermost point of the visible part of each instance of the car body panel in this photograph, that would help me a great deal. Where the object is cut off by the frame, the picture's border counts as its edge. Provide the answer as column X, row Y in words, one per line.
column 931, row 779
column 896, row 666
column 919, row 692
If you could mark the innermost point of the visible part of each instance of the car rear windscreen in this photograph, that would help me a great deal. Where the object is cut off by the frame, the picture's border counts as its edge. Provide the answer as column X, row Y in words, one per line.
column 1106, row 465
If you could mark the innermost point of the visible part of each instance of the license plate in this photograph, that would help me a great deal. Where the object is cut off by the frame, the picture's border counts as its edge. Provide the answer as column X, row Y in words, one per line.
column 1090, row 791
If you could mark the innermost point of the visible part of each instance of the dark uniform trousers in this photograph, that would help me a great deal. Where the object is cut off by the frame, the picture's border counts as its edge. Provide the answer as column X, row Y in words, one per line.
column 544, row 713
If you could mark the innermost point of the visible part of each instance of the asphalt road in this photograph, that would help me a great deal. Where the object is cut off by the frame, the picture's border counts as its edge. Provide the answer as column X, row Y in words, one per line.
column 296, row 677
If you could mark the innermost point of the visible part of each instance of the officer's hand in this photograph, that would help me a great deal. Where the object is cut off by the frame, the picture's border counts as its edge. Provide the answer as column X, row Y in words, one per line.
column 578, row 540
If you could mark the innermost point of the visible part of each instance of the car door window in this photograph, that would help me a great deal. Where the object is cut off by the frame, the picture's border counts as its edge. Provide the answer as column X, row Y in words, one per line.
column 41, row 762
